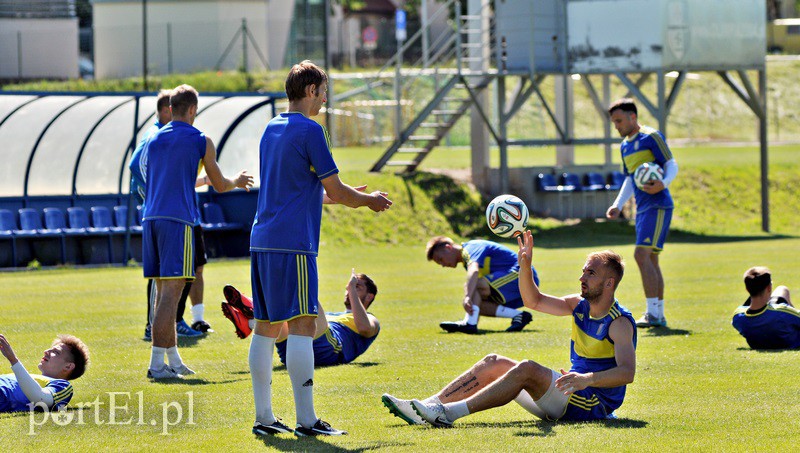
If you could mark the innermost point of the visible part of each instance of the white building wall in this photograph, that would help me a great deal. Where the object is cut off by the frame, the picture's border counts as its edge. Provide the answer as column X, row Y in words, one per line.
column 195, row 33
column 49, row 48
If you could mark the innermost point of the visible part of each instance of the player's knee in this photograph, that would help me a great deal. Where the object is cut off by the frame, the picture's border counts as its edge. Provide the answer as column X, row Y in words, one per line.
column 642, row 254
column 781, row 291
column 493, row 360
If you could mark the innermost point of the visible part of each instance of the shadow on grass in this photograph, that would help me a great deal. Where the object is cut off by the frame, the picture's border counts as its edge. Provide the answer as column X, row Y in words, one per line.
column 286, row 442
column 602, row 233
column 491, row 332
column 766, row 351
column 663, row 332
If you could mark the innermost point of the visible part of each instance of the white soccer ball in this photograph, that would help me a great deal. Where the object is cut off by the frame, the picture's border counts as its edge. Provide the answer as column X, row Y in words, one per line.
column 648, row 171
column 507, row 216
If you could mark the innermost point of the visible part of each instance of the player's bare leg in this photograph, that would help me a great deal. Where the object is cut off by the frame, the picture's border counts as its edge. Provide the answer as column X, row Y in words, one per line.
column 165, row 341
column 653, row 284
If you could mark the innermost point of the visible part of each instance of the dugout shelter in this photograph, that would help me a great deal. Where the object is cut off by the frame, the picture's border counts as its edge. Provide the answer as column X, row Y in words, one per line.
column 64, row 182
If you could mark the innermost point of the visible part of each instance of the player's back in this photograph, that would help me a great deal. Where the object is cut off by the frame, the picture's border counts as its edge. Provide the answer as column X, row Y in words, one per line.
column 173, row 159
column 776, row 326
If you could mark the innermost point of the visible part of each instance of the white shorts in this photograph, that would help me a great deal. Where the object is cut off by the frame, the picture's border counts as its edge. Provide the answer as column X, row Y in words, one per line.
column 551, row 406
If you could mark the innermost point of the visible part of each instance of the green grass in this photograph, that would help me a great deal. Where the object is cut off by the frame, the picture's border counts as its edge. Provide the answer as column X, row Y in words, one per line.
column 697, row 386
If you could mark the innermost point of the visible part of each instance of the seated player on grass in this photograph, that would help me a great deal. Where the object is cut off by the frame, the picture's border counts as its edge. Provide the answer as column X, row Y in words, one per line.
column 66, row 360
column 341, row 336
column 603, row 356
column 767, row 319
column 491, row 288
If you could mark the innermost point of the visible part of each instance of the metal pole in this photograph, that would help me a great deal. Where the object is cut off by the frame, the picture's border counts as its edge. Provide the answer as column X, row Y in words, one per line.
column 501, row 129
column 762, row 132
column 425, row 43
column 144, row 44
column 169, row 47
column 327, row 59
column 244, row 46
column 606, row 119
column 19, row 54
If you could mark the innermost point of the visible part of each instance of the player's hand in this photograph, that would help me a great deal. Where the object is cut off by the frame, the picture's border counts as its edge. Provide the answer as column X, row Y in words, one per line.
column 353, row 279
column 7, row 351
column 467, row 304
column 571, row 382
column 361, row 188
column 379, row 202
column 612, row 213
column 653, row 187
column 243, row 180
column 525, row 254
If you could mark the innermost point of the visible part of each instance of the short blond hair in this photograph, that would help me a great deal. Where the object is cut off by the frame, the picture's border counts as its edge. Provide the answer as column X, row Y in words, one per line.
column 435, row 243
column 78, row 351
column 181, row 98
column 613, row 262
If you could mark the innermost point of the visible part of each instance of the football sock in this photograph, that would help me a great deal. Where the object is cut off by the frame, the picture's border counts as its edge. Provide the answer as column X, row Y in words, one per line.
column 197, row 312
column 157, row 357
column 260, row 358
column 505, row 312
column 473, row 318
column 432, row 400
column 660, row 308
column 251, row 323
column 300, row 365
column 652, row 306
column 454, row 411
column 173, row 357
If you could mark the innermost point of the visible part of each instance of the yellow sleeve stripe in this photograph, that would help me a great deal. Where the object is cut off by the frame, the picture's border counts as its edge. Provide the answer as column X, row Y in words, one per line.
column 785, row 309
column 62, row 395
column 662, row 145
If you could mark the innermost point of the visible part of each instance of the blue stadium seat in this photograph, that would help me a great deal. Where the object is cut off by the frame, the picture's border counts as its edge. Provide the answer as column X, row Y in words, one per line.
column 7, row 226
column 615, row 180
column 30, row 222
column 593, row 181
column 92, row 252
column 546, row 182
column 121, row 219
column 571, row 182
column 215, row 219
column 101, row 218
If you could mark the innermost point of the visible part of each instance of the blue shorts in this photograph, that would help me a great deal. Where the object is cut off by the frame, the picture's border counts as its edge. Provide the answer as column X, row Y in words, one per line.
column 505, row 288
column 584, row 405
column 167, row 249
column 652, row 227
column 285, row 285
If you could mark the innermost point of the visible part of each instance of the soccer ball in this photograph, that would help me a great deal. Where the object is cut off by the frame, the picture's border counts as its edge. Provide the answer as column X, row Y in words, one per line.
column 648, row 171
column 507, row 216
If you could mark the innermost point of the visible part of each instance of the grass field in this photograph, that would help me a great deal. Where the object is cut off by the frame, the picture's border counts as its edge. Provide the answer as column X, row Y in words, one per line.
column 698, row 387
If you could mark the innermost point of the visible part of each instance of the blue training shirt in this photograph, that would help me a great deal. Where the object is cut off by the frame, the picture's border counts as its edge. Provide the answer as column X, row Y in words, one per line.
column 495, row 260
column 12, row 399
column 649, row 145
column 776, row 326
column 138, row 163
column 341, row 343
column 294, row 157
column 174, row 155
column 592, row 350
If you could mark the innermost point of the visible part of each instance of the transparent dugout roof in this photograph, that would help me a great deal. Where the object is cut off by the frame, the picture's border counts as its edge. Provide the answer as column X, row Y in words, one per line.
column 80, row 143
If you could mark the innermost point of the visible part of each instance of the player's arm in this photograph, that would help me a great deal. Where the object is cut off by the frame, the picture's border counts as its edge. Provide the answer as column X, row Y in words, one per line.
column 670, row 172
column 29, row 387
column 531, row 296
column 366, row 324
column 341, row 193
column 625, row 193
column 327, row 200
column 218, row 180
column 621, row 333
column 473, row 274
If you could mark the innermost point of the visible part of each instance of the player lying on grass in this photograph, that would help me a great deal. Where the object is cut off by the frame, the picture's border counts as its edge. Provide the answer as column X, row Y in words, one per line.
column 341, row 336
column 603, row 356
column 491, row 288
column 66, row 360
column 767, row 319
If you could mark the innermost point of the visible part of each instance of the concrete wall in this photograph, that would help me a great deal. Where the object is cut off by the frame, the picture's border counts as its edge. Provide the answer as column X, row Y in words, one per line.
column 186, row 36
column 49, row 48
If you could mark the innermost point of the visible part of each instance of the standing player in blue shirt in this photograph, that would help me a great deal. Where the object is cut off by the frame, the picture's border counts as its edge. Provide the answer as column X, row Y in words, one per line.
column 66, row 360
column 641, row 144
column 297, row 174
column 174, row 155
column 491, row 288
column 602, row 352
column 767, row 319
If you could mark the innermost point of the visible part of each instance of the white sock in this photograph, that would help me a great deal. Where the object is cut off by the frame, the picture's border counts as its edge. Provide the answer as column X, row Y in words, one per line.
column 454, row 411
column 157, row 357
column 505, row 312
column 660, row 308
column 197, row 312
column 173, row 357
column 251, row 323
column 473, row 318
column 300, row 365
column 652, row 305
column 432, row 400
column 260, row 358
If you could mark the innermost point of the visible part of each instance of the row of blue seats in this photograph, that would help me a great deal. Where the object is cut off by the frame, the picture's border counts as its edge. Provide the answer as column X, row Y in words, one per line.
column 572, row 182
column 53, row 224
